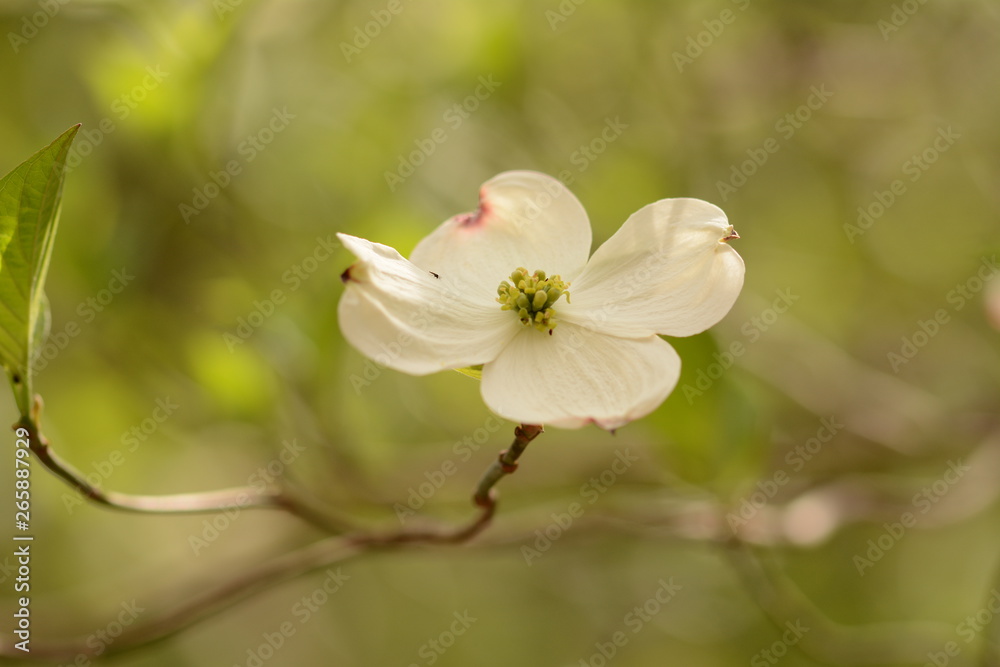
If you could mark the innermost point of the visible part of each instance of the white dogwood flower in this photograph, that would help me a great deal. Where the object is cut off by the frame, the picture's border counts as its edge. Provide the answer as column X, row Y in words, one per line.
column 563, row 338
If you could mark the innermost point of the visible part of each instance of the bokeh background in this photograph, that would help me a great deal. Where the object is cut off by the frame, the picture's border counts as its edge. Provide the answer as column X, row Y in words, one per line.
column 854, row 146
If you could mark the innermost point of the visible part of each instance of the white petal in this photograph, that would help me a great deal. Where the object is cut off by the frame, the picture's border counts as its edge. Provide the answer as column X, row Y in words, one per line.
column 665, row 271
column 525, row 219
column 577, row 376
column 403, row 317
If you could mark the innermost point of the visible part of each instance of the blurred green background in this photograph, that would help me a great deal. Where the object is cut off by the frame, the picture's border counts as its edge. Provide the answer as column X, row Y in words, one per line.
column 854, row 146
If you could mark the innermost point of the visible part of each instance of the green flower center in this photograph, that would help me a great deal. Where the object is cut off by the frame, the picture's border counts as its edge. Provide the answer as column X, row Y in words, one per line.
column 531, row 296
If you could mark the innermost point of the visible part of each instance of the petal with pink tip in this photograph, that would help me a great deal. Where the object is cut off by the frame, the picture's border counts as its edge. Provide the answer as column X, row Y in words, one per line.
column 525, row 219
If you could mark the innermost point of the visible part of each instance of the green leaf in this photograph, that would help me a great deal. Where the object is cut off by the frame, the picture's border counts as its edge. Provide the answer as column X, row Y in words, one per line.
column 29, row 211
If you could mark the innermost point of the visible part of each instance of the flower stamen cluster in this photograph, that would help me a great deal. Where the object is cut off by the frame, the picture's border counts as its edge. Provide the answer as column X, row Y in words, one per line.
column 531, row 296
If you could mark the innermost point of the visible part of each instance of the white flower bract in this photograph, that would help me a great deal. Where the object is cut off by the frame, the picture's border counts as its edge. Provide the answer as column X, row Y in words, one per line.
column 669, row 270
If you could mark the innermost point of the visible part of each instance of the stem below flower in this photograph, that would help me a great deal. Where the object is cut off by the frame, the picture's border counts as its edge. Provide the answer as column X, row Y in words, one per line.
column 505, row 464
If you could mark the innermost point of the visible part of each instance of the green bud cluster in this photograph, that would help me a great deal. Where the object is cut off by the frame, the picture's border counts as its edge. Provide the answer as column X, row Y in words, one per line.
column 531, row 296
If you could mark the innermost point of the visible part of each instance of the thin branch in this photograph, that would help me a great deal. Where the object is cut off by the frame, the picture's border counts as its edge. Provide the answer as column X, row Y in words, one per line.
column 505, row 464
column 282, row 568
column 244, row 497
column 326, row 552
